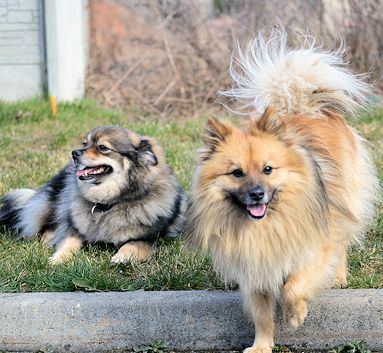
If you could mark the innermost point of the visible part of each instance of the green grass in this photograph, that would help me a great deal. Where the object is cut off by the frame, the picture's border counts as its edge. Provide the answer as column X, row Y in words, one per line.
column 35, row 145
column 352, row 347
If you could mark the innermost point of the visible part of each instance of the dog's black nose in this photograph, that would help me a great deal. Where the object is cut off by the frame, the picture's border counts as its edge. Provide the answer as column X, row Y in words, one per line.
column 77, row 153
column 257, row 193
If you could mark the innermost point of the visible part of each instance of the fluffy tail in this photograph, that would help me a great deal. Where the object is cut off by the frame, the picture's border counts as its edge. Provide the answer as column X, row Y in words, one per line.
column 307, row 80
column 22, row 211
column 12, row 204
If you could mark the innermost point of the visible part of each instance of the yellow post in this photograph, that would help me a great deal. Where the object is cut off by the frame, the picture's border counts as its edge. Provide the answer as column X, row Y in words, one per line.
column 53, row 104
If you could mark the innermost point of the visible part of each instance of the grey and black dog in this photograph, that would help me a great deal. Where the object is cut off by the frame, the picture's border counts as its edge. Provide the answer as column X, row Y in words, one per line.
column 118, row 189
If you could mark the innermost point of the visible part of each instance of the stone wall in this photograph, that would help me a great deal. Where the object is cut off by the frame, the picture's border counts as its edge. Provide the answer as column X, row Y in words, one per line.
column 21, row 49
column 43, row 48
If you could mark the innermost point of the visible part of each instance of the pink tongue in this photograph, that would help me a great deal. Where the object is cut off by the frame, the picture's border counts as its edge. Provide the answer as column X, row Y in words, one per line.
column 257, row 210
column 85, row 171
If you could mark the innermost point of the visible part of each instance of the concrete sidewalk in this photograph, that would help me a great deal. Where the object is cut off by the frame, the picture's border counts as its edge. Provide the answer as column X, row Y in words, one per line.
column 185, row 321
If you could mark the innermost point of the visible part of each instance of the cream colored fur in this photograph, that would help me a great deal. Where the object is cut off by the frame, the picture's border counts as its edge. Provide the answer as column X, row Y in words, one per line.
column 325, row 178
column 306, row 80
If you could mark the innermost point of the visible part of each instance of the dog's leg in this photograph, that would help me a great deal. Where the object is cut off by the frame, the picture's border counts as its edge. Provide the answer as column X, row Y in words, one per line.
column 295, row 301
column 47, row 237
column 341, row 272
column 139, row 251
column 65, row 249
column 261, row 307
column 303, row 285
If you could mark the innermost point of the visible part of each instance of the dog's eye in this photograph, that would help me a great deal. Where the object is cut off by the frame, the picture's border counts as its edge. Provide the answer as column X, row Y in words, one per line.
column 238, row 173
column 267, row 170
column 102, row 148
column 84, row 143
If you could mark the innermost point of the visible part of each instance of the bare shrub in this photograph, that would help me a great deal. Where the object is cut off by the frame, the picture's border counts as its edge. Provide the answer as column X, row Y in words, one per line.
column 169, row 56
column 161, row 56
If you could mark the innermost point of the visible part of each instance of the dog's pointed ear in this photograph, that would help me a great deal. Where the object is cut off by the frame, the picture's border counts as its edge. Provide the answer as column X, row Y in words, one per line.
column 215, row 132
column 269, row 121
column 145, row 154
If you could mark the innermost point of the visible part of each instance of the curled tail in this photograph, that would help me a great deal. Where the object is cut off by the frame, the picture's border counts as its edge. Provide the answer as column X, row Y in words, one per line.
column 307, row 81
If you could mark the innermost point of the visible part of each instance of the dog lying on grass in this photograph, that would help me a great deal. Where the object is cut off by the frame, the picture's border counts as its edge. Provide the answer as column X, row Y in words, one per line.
column 118, row 189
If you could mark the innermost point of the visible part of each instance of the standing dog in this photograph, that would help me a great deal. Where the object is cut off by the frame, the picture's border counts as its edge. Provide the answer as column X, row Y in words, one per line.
column 278, row 200
column 118, row 190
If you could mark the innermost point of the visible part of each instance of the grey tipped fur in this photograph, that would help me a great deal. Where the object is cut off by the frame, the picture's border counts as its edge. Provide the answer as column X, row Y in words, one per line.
column 138, row 201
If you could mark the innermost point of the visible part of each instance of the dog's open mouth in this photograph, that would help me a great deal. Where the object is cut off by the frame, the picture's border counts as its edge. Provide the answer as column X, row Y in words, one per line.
column 257, row 211
column 87, row 173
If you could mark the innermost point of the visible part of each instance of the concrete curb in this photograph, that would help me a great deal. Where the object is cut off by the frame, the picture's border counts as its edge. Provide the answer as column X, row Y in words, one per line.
column 190, row 320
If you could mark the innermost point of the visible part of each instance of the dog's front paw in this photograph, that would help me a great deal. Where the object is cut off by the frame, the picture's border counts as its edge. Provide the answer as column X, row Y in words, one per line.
column 47, row 237
column 134, row 251
column 58, row 258
column 341, row 281
column 119, row 258
column 65, row 250
column 295, row 312
column 258, row 349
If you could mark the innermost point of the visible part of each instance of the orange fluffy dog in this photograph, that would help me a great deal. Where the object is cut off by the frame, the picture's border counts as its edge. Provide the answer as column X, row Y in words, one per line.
column 278, row 200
